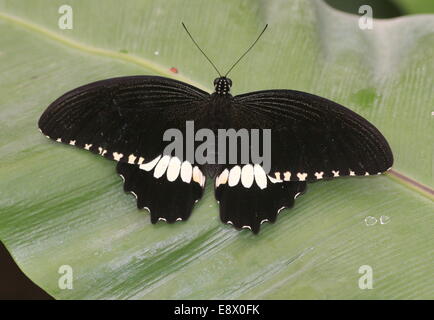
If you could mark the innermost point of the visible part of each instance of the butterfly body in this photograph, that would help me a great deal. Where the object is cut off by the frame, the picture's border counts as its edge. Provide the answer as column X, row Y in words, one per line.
column 222, row 86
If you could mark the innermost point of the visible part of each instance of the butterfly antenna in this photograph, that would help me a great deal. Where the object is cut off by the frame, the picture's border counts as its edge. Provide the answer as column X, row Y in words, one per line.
column 247, row 51
column 191, row 37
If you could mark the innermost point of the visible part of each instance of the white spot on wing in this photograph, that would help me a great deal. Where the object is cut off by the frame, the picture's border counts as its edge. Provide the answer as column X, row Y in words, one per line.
column 117, row 156
column 161, row 167
column 260, row 176
column 173, row 169
column 234, row 176
column 247, row 175
column 273, row 180
column 198, row 176
column 277, row 175
column 149, row 165
column 301, row 176
column 222, row 178
column 131, row 158
column 186, row 171
column 319, row 175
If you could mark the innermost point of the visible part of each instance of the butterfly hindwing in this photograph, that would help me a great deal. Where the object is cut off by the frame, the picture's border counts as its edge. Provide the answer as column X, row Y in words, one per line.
column 312, row 138
column 248, row 197
column 169, row 189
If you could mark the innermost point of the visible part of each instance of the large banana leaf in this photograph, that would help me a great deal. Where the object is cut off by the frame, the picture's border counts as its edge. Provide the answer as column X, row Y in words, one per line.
column 64, row 206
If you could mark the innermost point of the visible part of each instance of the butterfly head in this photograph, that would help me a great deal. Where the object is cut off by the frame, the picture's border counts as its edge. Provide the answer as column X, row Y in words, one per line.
column 222, row 85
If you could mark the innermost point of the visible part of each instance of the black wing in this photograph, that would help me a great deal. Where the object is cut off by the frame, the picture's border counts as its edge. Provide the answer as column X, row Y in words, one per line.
column 165, row 200
column 312, row 138
column 124, row 119
column 248, row 198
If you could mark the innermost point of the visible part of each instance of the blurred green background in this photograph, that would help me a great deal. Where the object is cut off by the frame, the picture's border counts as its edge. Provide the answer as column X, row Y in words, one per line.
column 383, row 9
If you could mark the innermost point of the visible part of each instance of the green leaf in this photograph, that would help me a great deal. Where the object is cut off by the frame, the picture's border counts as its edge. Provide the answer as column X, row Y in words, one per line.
column 416, row 7
column 64, row 206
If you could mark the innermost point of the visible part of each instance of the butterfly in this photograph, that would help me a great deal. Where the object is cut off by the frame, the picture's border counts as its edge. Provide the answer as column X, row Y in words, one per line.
column 124, row 119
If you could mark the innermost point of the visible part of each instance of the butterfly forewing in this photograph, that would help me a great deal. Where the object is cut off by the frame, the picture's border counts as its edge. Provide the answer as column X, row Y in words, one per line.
column 312, row 137
column 123, row 119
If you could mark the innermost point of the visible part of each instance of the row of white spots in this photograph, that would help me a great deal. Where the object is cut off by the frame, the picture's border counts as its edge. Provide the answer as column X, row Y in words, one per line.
column 247, row 175
column 173, row 168
column 302, row 176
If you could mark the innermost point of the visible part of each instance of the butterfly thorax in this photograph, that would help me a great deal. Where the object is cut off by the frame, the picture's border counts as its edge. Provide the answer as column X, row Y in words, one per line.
column 217, row 113
column 222, row 85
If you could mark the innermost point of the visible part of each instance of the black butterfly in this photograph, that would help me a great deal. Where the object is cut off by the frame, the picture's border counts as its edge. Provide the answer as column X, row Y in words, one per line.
column 124, row 119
